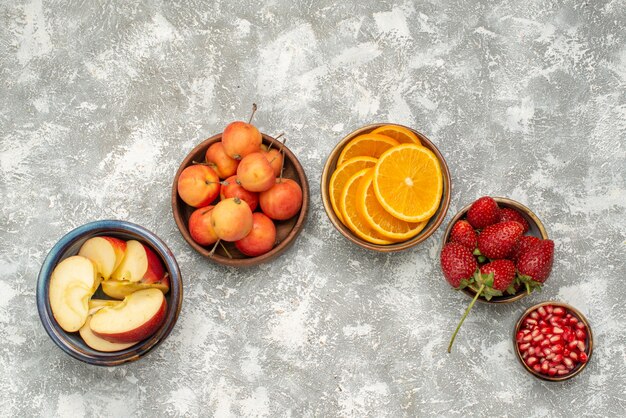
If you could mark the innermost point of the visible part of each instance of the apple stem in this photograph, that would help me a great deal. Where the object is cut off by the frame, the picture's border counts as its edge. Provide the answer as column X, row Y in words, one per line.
column 275, row 139
column 253, row 112
column 282, row 151
column 214, row 248
column 225, row 250
column 467, row 311
column 200, row 163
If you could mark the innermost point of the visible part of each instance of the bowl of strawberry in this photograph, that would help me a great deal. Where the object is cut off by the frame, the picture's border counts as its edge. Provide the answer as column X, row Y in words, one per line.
column 240, row 198
column 553, row 341
column 495, row 250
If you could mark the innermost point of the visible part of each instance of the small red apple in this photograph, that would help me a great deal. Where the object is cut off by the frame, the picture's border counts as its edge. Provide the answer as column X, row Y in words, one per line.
column 283, row 200
column 232, row 188
column 231, row 219
column 261, row 238
column 255, row 173
column 217, row 158
column 200, row 227
column 198, row 185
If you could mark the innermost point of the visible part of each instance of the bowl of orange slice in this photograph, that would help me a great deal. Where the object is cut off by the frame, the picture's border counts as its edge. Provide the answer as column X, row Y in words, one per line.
column 386, row 187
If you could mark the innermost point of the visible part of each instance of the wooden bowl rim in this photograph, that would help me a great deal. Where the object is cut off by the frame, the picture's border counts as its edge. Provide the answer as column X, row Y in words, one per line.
column 250, row 261
column 509, row 203
column 399, row 246
column 581, row 318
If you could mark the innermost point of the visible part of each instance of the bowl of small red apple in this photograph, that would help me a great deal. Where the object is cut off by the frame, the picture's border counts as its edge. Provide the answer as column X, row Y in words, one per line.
column 495, row 250
column 240, row 198
column 109, row 292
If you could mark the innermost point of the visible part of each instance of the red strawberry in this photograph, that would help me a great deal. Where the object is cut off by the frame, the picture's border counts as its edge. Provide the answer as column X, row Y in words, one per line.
column 509, row 214
column 535, row 264
column 503, row 274
column 524, row 243
column 483, row 212
column 458, row 264
column 497, row 241
column 463, row 233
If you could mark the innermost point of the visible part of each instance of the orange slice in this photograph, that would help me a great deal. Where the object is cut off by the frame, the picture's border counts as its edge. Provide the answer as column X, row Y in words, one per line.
column 378, row 218
column 340, row 177
column 408, row 182
column 351, row 218
column 368, row 145
column 399, row 133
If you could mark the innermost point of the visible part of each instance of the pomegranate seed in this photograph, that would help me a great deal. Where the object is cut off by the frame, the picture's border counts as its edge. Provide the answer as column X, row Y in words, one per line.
column 556, row 339
column 558, row 358
column 580, row 325
column 531, row 350
column 558, row 311
column 556, row 321
column 520, row 335
column 545, row 330
column 544, row 366
column 560, row 367
column 541, row 310
column 534, row 315
column 570, row 337
column 525, row 354
column 539, row 353
column 546, row 351
column 531, row 361
column 557, row 330
column 527, row 338
column 572, row 320
column 550, row 356
column 537, row 368
column 552, row 371
column 552, row 364
column 544, row 343
column 524, row 347
column 562, row 372
column 583, row 357
column 568, row 363
column 549, row 316
column 566, row 352
column 581, row 346
column 557, row 348
column 538, row 338
column 572, row 345
column 573, row 355
column 535, row 332
column 531, row 321
column 581, row 335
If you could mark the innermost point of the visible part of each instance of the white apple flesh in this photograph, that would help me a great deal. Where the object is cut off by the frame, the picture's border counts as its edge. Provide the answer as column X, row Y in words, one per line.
column 106, row 253
column 119, row 289
column 134, row 319
column 95, row 342
column 72, row 283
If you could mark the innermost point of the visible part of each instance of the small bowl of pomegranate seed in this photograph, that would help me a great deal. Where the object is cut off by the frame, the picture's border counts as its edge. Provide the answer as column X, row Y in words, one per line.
column 553, row 341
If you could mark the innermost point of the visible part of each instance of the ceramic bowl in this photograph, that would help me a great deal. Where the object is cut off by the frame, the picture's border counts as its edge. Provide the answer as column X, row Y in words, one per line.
column 71, row 342
column 588, row 343
column 433, row 223
column 286, row 231
column 536, row 229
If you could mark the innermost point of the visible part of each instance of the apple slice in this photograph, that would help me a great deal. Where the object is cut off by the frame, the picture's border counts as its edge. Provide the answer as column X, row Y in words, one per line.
column 119, row 289
column 106, row 253
column 139, row 263
column 71, row 286
column 136, row 318
column 97, row 343
column 96, row 304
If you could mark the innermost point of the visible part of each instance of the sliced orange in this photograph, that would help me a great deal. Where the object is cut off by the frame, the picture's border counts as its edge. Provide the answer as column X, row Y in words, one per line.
column 340, row 177
column 408, row 182
column 399, row 133
column 378, row 218
column 367, row 145
column 351, row 218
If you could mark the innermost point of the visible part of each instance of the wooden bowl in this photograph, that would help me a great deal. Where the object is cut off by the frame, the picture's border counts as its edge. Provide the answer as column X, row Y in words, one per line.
column 286, row 231
column 433, row 223
column 68, row 245
column 536, row 229
column 588, row 343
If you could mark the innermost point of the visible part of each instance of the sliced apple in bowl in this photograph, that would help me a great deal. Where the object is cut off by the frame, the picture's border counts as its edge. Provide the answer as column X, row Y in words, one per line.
column 107, row 254
column 139, row 263
column 72, row 283
column 136, row 318
column 91, row 339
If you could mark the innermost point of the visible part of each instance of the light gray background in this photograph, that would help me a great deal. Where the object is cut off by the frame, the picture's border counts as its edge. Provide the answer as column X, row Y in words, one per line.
column 101, row 100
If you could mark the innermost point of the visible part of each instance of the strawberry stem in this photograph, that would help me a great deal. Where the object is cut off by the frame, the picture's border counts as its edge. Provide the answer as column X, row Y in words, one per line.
column 467, row 311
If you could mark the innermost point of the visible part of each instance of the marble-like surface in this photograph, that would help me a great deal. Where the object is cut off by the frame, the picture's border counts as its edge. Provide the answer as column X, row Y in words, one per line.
column 101, row 100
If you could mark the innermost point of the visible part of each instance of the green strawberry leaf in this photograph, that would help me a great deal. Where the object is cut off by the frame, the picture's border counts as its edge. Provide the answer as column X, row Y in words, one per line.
column 482, row 259
column 511, row 289
column 477, row 252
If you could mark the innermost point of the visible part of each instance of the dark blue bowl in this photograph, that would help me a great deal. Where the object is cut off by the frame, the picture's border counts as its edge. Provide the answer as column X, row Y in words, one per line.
column 69, row 245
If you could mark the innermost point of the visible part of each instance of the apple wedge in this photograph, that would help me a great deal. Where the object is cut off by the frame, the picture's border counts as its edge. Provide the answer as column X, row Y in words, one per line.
column 119, row 289
column 106, row 253
column 71, row 285
column 93, row 340
column 134, row 319
column 139, row 263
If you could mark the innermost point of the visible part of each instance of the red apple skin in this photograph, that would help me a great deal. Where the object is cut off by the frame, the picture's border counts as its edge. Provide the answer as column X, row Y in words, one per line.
column 200, row 227
column 198, row 185
column 234, row 189
column 119, row 246
column 140, row 333
column 255, row 173
column 155, row 272
column 240, row 139
column 275, row 159
column 261, row 238
column 223, row 165
column 231, row 219
column 282, row 201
